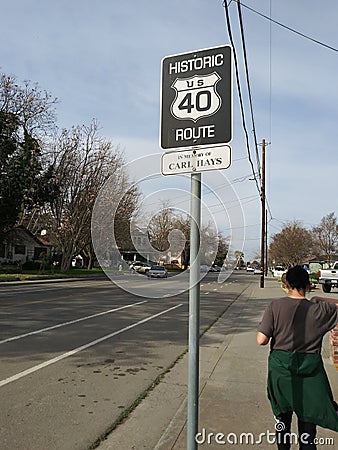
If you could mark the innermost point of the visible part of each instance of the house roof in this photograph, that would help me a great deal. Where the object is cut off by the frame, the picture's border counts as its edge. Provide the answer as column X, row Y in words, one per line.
column 319, row 259
column 38, row 239
column 43, row 241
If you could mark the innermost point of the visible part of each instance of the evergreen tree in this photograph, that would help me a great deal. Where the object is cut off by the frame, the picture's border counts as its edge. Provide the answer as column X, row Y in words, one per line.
column 10, row 195
column 26, row 181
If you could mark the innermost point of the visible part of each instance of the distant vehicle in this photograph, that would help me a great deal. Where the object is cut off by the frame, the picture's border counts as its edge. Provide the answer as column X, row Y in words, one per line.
column 278, row 271
column 328, row 278
column 215, row 268
column 250, row 269
column 306, row 267
column 140, row 267
column 157, row 272
column 257, row 271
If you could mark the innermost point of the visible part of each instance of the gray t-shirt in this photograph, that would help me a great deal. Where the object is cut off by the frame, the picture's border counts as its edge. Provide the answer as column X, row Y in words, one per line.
column 298, row 325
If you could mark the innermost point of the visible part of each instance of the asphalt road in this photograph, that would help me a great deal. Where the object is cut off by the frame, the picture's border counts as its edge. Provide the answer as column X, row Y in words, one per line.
column 76, row 355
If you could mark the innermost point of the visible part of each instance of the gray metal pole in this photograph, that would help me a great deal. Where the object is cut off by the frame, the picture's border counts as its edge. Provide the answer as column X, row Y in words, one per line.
column 194, row 311
column 263, row 217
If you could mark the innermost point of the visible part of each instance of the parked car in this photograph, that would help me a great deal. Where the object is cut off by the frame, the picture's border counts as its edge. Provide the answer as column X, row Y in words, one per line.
column 215, row 268
column 257, row 271
column 250, row 269
column 140, row 267
column 157, row 272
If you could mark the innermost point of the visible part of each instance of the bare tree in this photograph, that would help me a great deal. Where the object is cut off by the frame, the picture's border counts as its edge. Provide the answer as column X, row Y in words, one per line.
column 83, row 163
column 112, row 219
column 168, row 229
column 116, row 206
column 159, row 227
column 182, row 223
column 292, row 245
column 32, row 107
column 126, row 210
column 239, row 255
column 326, row 237
column 223, row 249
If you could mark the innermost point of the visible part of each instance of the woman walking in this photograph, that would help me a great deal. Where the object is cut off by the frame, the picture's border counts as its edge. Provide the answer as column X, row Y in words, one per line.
column 297, row 381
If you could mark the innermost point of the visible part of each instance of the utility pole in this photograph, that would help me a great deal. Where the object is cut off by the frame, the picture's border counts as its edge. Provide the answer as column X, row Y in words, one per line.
column 263, row 216
column 266, row 242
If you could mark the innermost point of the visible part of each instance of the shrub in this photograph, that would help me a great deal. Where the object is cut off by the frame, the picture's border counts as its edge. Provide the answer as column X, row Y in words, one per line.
column 314, row 277
column 31, row 265
column 9, row 269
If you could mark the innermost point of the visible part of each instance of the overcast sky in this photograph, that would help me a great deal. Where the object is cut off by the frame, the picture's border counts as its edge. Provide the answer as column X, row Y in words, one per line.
column 102, row 60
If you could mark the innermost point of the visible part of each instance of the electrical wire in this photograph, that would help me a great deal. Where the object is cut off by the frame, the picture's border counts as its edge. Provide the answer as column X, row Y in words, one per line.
column 250, row 95
column 288, row 28
column 248, row 85
column 226, row 9
column 270, row 103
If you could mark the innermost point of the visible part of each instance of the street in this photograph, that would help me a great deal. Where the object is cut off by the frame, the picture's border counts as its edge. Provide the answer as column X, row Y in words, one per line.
column 76, row 355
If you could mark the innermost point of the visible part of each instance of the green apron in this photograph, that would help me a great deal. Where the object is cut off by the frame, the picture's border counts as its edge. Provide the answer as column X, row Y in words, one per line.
column 298, row 382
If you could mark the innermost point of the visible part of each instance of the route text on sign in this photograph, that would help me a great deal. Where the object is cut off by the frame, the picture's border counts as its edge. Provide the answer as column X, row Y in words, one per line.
column 186, row 134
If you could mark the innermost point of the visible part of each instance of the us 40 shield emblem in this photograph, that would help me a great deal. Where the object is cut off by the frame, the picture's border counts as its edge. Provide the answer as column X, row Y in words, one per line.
column 196, row 97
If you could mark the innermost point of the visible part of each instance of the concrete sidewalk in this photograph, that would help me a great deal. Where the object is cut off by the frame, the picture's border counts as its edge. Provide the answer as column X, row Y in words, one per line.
column 232, row 389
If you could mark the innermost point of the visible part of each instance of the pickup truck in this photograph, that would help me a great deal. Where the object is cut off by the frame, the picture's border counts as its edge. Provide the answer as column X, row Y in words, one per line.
column 328, row 278
column 278, row 272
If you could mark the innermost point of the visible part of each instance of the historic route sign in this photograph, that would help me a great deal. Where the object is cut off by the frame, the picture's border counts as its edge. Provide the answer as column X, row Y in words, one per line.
column 196, row 98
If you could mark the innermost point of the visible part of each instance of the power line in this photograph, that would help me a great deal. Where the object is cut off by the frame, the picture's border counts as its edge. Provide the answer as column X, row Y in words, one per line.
column 270, row 102
column 289, row 28
column 260, row 169
column 249, row 94
column 248, row 84
column 217, row 205
column 239, row 159
column 240, row 93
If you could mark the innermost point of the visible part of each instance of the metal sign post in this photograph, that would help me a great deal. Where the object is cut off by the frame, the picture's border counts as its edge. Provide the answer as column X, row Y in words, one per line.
column 196, row 121
column 194, row 311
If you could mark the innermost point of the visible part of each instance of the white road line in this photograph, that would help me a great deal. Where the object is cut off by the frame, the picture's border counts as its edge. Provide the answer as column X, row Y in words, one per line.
column 39, row 287
column 42, row 330
column 50, row 286
column 79, row 349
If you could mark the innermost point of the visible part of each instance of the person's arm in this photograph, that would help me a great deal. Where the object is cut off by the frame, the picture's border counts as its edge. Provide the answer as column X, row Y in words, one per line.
column 265, row 328
column 324, row 299
column 262, row 339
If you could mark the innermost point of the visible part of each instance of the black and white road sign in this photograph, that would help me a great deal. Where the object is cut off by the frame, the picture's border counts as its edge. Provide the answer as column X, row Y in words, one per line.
column 196, row 160
column 196, row 98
